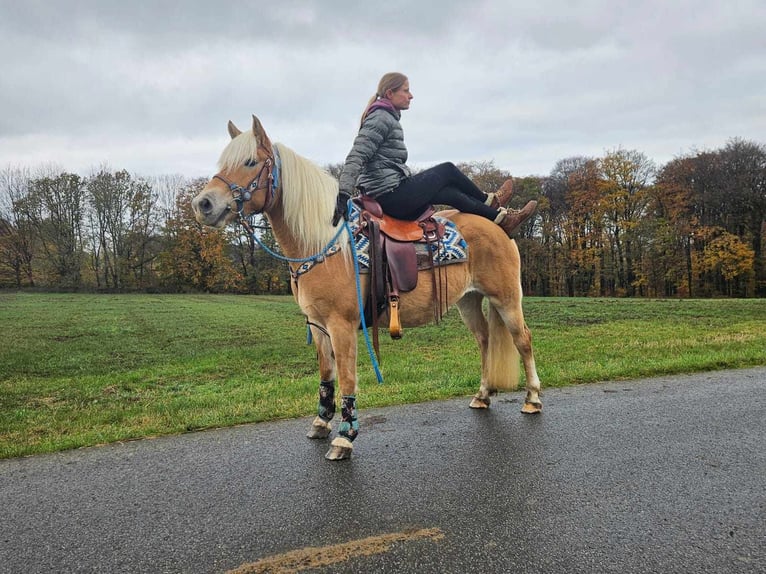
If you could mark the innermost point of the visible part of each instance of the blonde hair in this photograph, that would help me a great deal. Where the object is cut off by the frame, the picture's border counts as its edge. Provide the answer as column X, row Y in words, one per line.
column 390, row 81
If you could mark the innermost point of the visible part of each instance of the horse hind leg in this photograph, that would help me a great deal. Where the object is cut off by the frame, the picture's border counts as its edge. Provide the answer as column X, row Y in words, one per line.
column 532, row 403
column 473, row 317
column 321, row 427
column 513, row 319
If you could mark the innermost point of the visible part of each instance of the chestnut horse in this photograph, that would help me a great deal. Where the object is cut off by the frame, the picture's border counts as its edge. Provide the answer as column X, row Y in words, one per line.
column 298, row 198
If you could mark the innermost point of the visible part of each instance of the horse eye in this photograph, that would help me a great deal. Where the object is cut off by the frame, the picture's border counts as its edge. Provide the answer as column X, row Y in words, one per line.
column 251, row 163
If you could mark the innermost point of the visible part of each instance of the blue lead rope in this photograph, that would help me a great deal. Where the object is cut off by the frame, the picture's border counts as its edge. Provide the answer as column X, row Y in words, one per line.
column 360, row 303
column 319, row 257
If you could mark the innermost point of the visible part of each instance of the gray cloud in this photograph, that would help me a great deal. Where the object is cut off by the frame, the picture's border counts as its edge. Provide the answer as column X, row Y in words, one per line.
column 149, row 86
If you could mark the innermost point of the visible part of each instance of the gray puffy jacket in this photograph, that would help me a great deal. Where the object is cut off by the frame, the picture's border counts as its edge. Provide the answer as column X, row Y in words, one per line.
column 376, row 163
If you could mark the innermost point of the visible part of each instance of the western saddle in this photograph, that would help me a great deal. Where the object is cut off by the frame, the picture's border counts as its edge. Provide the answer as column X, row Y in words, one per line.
column 394, row 260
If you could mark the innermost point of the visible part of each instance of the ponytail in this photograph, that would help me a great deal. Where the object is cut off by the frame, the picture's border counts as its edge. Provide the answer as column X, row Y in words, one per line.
column 373, row 99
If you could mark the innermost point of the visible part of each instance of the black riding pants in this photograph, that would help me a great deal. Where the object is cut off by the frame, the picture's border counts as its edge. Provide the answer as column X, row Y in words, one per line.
column 443, row 184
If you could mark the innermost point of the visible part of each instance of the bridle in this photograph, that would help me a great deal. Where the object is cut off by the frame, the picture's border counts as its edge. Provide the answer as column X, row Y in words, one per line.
column 266, row 178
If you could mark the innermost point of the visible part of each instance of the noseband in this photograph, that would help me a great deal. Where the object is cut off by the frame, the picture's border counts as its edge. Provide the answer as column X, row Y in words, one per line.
column 267, row 178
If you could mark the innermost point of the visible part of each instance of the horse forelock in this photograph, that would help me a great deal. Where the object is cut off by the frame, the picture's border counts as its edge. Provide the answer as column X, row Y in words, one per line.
column 308, row 200
column 238, row 151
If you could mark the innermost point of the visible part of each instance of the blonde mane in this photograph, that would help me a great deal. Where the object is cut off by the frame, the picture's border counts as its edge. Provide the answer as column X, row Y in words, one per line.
column 308, row 192
column 308, row 199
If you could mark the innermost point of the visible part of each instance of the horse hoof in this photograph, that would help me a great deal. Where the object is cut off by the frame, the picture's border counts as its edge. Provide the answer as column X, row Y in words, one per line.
column 532, row 408
column 319, row 429
column 318, row 432
column 340, row 449
column 477, row 403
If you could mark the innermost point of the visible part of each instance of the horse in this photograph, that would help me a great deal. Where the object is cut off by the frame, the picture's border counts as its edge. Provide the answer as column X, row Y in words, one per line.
column 298, row 198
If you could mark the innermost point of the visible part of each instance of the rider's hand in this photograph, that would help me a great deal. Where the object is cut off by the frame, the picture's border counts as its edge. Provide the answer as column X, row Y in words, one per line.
column 341, row 208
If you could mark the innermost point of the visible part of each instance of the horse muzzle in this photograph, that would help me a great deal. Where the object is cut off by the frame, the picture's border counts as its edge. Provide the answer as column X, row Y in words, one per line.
column 211, row 210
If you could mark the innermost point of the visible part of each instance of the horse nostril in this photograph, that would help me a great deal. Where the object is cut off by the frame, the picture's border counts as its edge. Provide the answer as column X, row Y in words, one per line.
column 205, row 205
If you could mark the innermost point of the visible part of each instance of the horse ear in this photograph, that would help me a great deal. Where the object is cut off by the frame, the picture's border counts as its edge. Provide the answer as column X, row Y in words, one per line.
column 260, row 134
column 233, row 131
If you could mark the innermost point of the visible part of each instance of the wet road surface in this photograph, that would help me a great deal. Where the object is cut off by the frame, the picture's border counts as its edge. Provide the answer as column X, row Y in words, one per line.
column 659, row 475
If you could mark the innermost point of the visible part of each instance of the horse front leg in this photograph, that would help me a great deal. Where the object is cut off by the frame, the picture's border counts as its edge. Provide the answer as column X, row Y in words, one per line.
column 344, row 341
column 321, row 427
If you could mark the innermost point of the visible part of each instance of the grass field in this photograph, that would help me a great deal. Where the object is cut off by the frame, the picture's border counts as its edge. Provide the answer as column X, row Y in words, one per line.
column 79, row 370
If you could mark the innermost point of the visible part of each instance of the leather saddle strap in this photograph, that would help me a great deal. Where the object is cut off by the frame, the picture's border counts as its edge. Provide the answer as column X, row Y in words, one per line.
column 434, row 281
column 377, row 278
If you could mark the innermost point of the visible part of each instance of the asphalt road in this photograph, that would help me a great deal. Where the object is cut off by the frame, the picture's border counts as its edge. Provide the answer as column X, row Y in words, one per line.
column 661, row 475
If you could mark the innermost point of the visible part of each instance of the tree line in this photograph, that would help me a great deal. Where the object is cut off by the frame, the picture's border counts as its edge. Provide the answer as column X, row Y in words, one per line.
column 616, row 225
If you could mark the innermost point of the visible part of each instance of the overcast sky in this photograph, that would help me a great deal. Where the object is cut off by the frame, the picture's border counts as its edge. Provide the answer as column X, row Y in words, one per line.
column 149, row 86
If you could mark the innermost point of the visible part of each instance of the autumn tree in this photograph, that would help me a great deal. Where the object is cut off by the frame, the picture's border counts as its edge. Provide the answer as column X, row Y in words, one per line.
column 625, row 179
column 16, row 234
column 727, row 260
column 590, row 260
column 722, row 190
column 675, row 219
column 123, row 226
column 53, row 207
column 194, row 256
column 743, row 190
column 571, row 228
column 554, row 220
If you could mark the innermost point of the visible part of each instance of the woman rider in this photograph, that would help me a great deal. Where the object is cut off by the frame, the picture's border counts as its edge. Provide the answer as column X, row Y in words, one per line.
column 377, row 166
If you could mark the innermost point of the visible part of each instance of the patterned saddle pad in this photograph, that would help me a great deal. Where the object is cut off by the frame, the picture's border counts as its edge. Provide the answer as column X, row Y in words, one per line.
column 451, row 249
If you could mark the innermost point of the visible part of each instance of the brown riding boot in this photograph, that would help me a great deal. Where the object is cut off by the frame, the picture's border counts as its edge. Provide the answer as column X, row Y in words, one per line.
column 513, row 218
column 502, row 196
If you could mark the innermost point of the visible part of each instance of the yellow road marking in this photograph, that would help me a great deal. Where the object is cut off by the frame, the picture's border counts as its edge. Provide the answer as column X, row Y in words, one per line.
column 297, row 560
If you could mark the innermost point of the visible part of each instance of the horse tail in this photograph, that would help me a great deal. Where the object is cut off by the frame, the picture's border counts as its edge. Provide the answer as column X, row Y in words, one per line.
column 502, row 355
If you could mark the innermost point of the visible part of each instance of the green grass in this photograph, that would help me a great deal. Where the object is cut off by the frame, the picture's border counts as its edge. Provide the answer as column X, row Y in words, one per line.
column 79, row 370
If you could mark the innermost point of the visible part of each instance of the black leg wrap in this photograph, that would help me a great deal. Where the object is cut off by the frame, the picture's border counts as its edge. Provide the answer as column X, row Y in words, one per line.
column 349, row 425
column 326, row 400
